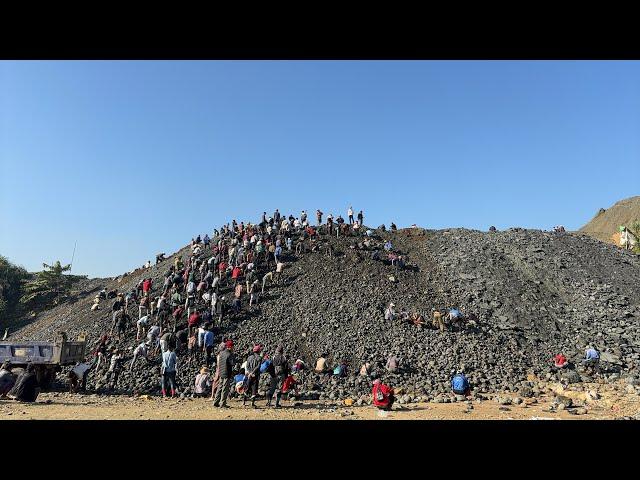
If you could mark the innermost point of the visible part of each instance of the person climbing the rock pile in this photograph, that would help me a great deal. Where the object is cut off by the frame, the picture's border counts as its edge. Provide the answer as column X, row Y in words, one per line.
column 142, row 350
column 322, row 365
column 123, row 324
column 383, row 395
column 142, row 325
column 115, row 366
column 592, row 359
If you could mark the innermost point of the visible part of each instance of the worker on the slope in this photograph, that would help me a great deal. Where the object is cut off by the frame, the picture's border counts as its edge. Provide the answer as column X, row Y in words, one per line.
column 383, row 396
column 460, row 384
column 560, row 361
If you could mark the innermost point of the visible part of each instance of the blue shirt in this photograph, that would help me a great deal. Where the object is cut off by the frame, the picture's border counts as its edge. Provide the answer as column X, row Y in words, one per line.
column 169, row 361
column 239, row 378
column 592, row 354
column 459, row 383
column 455, row 313
column 208, row 338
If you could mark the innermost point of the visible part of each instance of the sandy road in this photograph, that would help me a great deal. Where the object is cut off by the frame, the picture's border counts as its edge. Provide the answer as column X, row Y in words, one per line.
column 64, row 406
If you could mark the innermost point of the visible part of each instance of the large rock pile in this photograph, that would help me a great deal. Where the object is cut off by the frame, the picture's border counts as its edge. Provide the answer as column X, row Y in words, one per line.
column 535, row 294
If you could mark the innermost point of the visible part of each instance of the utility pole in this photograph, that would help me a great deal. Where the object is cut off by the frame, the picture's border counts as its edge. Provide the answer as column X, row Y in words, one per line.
column 72, row 256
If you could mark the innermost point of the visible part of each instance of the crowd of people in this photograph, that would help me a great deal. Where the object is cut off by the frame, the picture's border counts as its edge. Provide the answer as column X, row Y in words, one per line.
column 183, row 321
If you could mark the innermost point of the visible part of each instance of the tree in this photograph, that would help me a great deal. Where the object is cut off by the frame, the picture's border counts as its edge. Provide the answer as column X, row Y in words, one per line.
column 50, row 285
column 11, row 278
column 635, row 231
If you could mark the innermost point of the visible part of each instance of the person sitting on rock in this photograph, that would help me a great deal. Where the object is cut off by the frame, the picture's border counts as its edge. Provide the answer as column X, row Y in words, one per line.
column 340, row 370
column 393, row 227
column 460, row 384
column 560, row 361
column 240, row 382
column 298, row 366
column 438, row 320
column 7, row 379
column 390, row 313
column 321, row 364
column 26, row 388
column 365, row 369
column 592, row 359
column 492, row 228
column 393, row 364
column 383, row 395
column 456, row 318
column 202, row 383
column 417, row 320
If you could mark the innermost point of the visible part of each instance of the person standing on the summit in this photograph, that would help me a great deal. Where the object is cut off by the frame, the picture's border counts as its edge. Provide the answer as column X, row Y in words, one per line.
column 319, row 217
column 360, row 218
column 350, row 214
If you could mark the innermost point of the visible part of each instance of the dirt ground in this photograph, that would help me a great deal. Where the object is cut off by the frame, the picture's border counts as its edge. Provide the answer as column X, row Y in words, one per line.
column 612, row 402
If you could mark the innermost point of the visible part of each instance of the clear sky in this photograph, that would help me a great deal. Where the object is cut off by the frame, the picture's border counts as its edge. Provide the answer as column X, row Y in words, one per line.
column 133, row 158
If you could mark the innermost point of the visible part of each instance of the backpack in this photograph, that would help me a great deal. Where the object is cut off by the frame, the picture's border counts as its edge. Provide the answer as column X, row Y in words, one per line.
column 265, row 366
column 339, row 370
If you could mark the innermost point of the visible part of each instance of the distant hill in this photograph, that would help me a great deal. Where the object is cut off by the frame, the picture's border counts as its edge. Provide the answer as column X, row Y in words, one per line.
column 604, row 225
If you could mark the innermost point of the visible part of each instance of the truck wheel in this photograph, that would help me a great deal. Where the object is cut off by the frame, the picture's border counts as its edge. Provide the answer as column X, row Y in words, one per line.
column 46, row 378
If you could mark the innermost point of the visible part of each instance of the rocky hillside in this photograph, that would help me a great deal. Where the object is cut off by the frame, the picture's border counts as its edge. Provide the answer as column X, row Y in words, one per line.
column 604, row 225
column 535, row 294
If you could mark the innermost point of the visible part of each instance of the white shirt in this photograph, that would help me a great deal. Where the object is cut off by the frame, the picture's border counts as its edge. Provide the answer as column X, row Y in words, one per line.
column 349, row 212
column 143, row 321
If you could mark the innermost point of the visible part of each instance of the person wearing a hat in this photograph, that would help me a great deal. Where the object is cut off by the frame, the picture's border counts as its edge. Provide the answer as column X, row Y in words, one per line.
column 225, row 368
column 203, row 382
column 253, row 375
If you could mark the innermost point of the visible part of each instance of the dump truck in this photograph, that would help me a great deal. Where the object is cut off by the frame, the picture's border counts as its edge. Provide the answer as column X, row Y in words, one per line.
column 47, row 357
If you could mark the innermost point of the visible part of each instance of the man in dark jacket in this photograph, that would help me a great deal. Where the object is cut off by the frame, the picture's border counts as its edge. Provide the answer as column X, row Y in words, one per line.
column 279, row 372
column 26, row 388
column 253, row 375
column 225, row 370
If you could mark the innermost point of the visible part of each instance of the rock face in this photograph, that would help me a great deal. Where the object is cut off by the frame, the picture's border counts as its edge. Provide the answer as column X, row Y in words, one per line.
column 604, row 225
column 534, row 294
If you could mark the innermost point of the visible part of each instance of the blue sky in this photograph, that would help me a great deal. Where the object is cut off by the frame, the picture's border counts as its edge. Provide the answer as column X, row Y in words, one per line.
column 132, row 158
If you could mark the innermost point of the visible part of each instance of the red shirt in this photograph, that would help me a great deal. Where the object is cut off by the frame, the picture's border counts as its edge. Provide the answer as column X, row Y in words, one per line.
column 194, row 319
column 386, row 392
column 288, row 384
column 222, row 267
column 177, row 313
column 560, row 360
column 146, row 285
column 236, row 272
